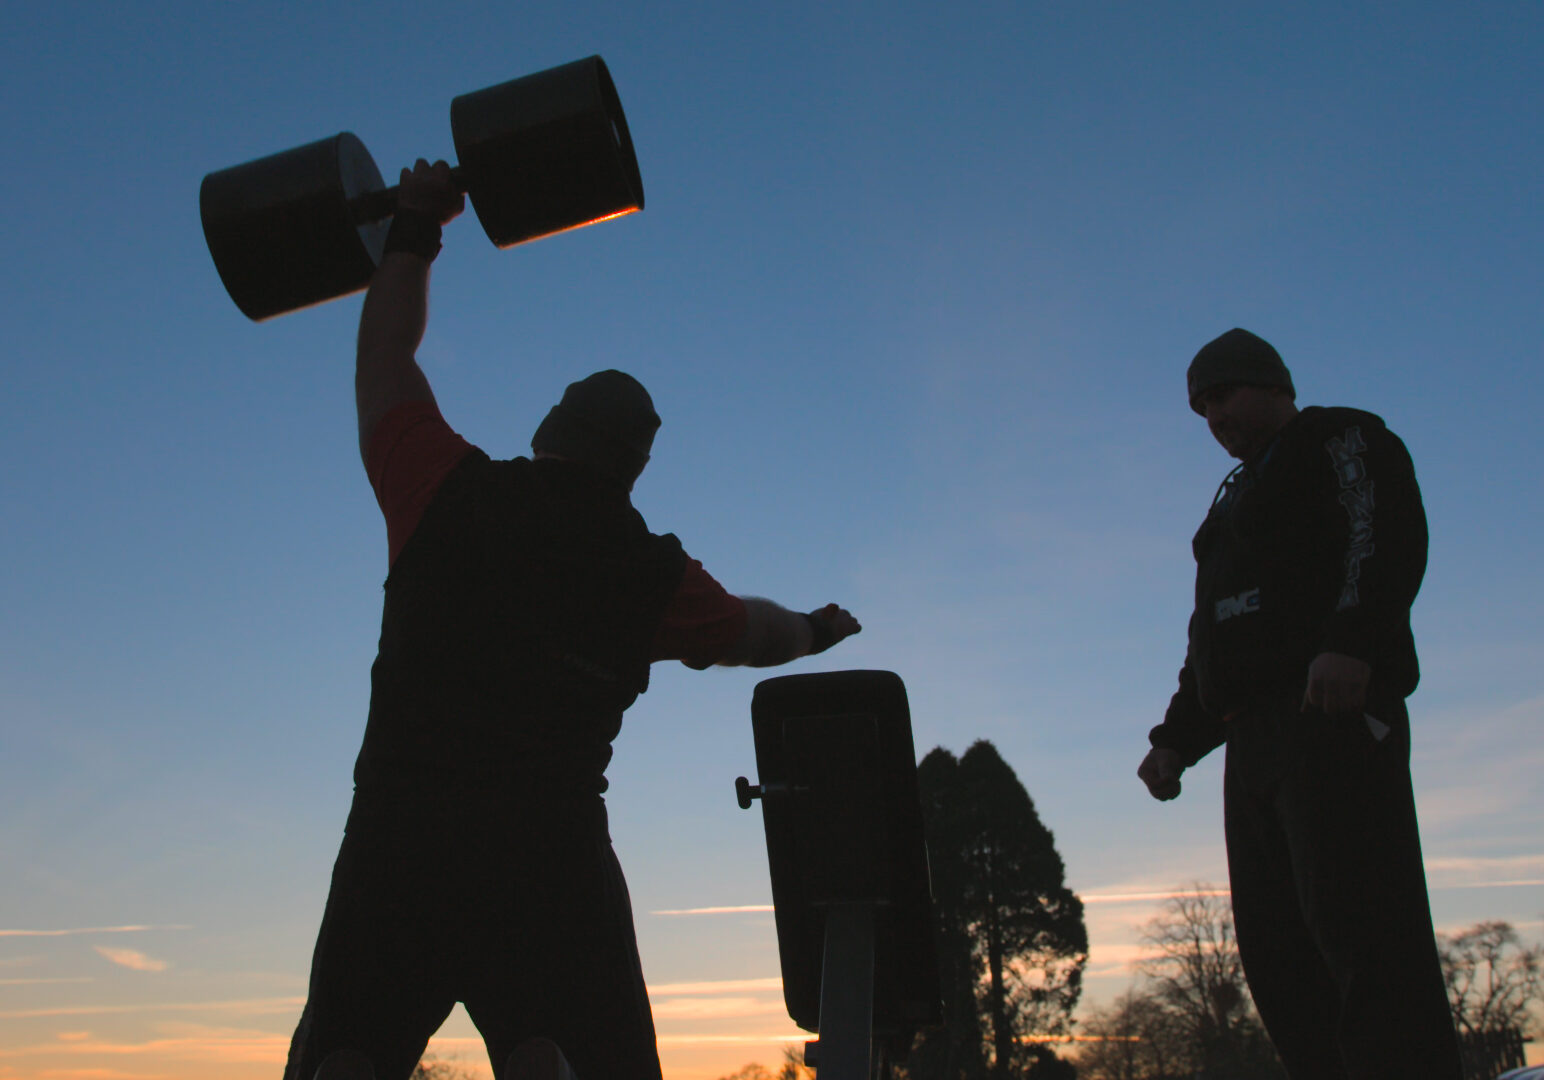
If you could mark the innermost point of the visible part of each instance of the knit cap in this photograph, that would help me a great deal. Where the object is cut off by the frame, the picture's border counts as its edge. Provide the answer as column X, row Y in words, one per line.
column 605, row 420
column 1238, row 358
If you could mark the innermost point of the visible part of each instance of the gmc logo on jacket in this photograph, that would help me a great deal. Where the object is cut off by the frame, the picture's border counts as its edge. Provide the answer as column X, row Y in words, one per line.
column 1242, row 604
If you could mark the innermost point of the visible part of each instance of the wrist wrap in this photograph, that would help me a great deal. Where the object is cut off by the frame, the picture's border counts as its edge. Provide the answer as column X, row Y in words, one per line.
column 822, row 637
column 415, row 232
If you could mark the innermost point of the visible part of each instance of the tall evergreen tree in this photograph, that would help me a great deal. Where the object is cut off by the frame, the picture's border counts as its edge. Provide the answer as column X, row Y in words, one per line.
column 1011, row 939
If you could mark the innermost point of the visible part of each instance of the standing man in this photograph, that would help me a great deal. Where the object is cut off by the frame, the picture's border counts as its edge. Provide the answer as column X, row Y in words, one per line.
column 1300, row 659
column 524, row 604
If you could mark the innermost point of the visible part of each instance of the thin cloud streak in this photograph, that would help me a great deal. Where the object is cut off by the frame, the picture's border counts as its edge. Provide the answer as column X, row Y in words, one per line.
column 1148, row 897
column 223, row 1045
column 724, row 999
column 1440, row 864
column 734, row 1040
column 708, row 1008
column 1107, row 958
column 45, row 982
column 1479, row 864
column 255, row 1006
column 13, row 962
column 1087, row 898
column 132, row 959
column 1472, row 785
column 1525, row 883
column 99, row 1074
column 723, row 986
column 89, row 930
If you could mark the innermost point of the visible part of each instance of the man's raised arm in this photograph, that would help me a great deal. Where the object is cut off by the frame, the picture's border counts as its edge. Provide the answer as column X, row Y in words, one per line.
column 396, row 309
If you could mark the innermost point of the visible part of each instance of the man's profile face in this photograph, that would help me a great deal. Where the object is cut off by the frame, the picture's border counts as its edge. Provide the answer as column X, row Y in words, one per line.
column 1244, row 418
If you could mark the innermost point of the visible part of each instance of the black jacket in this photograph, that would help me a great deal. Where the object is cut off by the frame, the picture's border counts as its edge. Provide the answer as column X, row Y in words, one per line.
column 517, row 629
column 1317, row 544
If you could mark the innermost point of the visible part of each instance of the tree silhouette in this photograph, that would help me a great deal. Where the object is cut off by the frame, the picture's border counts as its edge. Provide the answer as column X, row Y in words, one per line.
column 1011, row 939
column 432, row 1068
column 1493, row 981
column 753, row 1071
column 1134, row 1038
column 1196, row 975
column 793, row 1065
column 793, row 1068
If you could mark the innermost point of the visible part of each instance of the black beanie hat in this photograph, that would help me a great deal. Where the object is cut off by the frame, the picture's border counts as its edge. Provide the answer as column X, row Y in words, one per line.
column 607, row 421
column 1240, row 358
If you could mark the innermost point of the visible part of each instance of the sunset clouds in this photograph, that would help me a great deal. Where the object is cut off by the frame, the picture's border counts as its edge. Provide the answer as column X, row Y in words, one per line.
column 86, row 930
column 915, row 300
column 182, row 1044
column 132, row 959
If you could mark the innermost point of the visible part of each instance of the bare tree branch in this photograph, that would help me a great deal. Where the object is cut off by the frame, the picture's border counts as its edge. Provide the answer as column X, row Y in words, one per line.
column 1493, row 980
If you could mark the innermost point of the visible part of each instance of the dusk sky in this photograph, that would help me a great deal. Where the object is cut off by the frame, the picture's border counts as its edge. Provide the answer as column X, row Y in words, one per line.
column 914, row 292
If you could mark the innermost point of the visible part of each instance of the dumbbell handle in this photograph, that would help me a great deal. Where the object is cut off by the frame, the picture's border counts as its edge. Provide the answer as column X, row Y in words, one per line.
column 373, row 206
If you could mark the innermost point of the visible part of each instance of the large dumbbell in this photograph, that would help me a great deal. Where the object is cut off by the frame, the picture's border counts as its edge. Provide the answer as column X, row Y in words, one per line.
column 537, row 155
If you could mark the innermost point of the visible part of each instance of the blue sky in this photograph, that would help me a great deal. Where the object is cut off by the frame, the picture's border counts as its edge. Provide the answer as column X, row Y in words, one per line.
column 914, row 292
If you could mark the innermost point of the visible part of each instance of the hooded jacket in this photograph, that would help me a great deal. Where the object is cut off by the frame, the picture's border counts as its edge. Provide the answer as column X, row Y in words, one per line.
column 1316, row 544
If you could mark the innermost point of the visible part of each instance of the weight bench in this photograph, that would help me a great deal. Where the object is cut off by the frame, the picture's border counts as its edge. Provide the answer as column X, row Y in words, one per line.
column 848, row 863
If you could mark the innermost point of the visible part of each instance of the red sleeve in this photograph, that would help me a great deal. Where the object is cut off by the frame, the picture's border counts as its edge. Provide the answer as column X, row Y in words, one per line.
column 702, row 622
column 412, row 450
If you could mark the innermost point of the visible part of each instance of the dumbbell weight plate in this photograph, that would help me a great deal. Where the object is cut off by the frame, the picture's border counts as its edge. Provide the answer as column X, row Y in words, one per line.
column 546, row 152
column 281, row 231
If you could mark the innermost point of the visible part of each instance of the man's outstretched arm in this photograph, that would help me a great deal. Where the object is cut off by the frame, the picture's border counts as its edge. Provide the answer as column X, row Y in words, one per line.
column 774, row 635
column 396, row 309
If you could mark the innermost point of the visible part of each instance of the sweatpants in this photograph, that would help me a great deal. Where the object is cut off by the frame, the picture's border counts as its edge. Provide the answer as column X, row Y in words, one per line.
column 524, row 920
column 1329, row 895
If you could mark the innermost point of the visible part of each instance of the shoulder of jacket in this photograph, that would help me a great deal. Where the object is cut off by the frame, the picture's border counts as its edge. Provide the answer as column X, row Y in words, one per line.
column 1328, row 417
column 1318, row 425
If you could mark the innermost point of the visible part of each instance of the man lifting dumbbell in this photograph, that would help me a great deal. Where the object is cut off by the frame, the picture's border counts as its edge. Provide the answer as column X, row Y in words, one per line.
column 524, row 603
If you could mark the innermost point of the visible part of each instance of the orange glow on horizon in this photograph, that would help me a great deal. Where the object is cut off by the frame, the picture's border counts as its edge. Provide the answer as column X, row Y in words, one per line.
column 1148, row 897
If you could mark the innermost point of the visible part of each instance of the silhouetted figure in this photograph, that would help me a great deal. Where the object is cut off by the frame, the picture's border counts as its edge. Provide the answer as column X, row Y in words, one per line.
column 1300, row 659
column 524, row 604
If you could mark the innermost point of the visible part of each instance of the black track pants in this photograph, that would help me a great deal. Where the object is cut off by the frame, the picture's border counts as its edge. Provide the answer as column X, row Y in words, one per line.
column 1329, row 896
column 529, row 926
